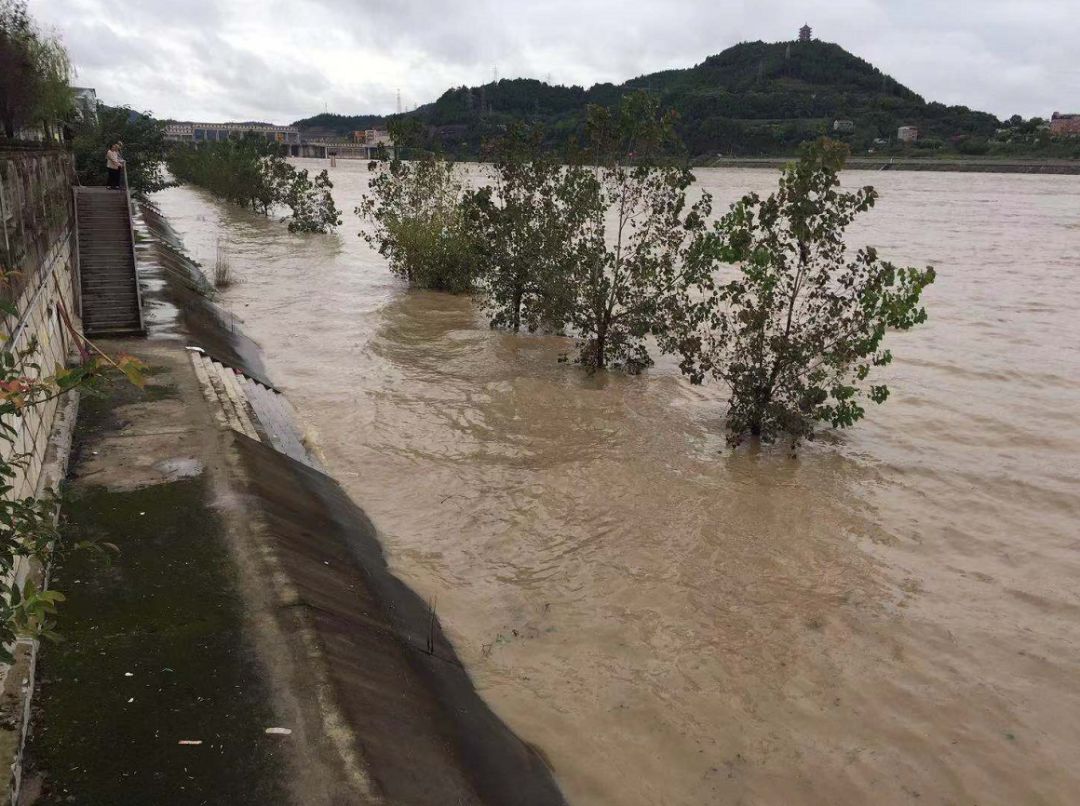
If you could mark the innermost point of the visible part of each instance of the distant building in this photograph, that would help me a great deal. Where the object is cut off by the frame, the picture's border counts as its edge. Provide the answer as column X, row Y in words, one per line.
column 843, row 126
column 85, row 104
column 907, row 134
column 806, row 33
column 212, row 132
column 179, row 132
column 1065, row 125
column 371, row 136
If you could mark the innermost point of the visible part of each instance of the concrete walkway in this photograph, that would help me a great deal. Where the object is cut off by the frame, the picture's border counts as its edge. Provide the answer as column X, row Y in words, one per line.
column 157, row 694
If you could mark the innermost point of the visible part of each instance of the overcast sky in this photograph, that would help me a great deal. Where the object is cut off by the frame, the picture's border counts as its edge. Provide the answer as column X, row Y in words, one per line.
column 280, row 60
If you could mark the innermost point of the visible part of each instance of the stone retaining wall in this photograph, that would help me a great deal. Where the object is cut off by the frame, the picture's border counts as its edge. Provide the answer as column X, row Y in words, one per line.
column 38, row 259
column 38, row 284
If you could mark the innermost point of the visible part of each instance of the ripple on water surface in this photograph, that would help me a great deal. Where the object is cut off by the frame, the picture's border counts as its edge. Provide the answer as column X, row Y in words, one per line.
column 892, row 615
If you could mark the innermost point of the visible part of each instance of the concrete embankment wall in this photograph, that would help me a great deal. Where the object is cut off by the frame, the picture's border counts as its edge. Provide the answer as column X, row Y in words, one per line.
column 37, row 253
column 366, row 676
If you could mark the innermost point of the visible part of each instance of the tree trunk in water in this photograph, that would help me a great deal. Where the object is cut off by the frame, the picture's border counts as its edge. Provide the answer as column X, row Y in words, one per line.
column 600, row 360
column 517, row 311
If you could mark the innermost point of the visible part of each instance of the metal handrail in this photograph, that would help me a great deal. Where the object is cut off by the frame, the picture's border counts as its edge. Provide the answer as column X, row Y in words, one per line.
column 77, row 281
column 134, row 259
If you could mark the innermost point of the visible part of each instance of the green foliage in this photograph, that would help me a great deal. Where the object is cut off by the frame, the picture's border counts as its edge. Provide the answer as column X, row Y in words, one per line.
column 629, row 256
column 419, row 224
column 54, row 99
column 796, row 328
column 311, row 202
column 144, row 148
column 526, row 227
column 328, row 124
column 34, row 73
column 253, row 173
column 973, row 146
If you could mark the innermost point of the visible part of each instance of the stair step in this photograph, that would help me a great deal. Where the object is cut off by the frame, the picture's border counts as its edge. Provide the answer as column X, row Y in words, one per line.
column 124, row 314
column 115, row 333
column 107, row 305
column 108, row 274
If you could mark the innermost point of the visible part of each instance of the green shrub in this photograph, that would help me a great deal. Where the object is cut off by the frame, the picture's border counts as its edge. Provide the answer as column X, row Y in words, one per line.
column 419, row 225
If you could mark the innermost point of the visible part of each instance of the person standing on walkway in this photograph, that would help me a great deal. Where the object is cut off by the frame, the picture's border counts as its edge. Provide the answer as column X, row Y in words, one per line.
column 115, row 163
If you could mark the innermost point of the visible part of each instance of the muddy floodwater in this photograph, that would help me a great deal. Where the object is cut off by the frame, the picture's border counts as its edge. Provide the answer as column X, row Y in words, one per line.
column 891, row 617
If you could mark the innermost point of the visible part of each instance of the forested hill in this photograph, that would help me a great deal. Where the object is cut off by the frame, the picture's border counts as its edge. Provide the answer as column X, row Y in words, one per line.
column 755, row 98
column 330, row 125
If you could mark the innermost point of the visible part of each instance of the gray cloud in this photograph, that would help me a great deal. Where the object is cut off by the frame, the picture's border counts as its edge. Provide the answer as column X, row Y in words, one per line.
column 285, row 59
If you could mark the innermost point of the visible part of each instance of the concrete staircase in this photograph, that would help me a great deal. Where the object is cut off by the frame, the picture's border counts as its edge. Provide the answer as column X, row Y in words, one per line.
column 250, row 407
column 110, row 287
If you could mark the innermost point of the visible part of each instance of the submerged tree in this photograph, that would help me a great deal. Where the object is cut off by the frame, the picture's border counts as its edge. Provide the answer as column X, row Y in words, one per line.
column 253, row 173
column 312, row 205
column 419, row 224
column 525, row 226
column 797, row 328
column 631, row 253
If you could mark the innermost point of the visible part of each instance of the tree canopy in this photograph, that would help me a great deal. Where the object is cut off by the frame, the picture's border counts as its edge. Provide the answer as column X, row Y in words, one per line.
column 34, row 74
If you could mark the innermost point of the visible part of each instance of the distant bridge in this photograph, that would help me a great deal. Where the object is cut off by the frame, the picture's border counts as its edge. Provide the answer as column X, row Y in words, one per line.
column 344, row 149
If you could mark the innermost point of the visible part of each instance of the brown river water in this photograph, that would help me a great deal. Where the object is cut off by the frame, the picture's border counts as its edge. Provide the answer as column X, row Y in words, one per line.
column 891, row 617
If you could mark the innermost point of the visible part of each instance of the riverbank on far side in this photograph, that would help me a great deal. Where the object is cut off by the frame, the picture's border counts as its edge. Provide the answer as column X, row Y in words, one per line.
column 953, row 164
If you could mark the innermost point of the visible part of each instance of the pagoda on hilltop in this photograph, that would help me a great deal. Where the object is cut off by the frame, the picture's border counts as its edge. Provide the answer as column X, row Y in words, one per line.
column 806, row 33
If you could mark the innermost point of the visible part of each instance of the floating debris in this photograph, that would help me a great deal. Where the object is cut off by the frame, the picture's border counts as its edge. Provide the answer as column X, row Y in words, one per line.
column 279, row 731
column 190, row 741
